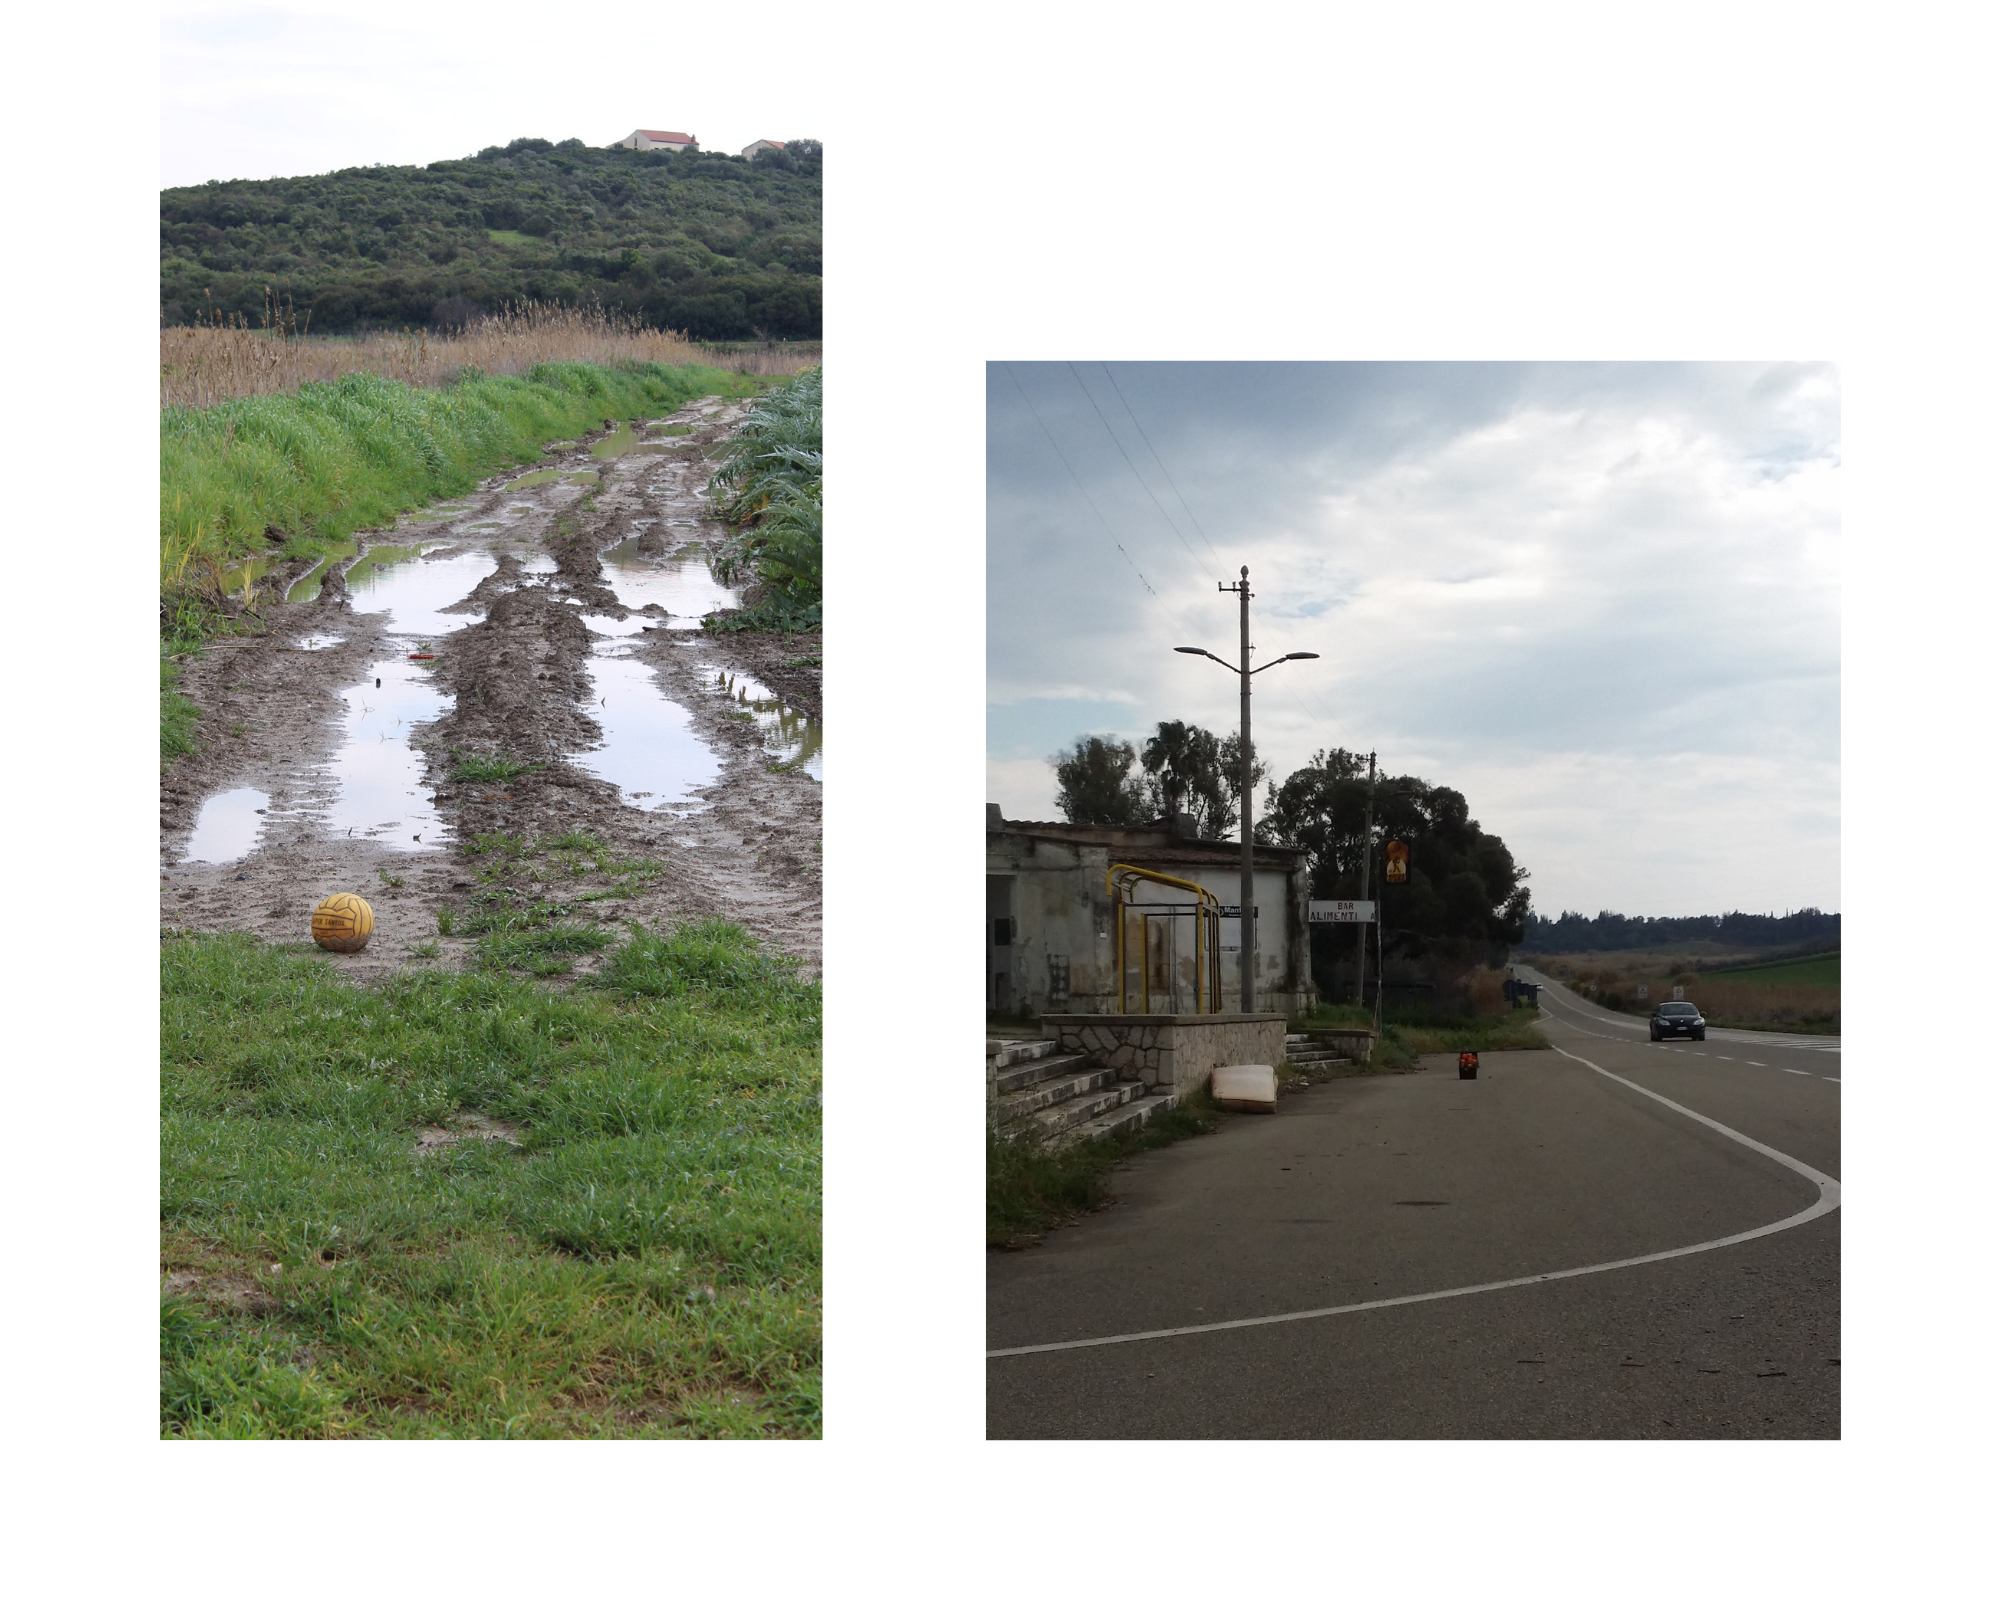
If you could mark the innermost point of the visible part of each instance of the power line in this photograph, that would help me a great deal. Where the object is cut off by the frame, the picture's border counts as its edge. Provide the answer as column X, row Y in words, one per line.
column 1127, row 404
column 1073, row 478
column 1325, row 711
column 1134, row 465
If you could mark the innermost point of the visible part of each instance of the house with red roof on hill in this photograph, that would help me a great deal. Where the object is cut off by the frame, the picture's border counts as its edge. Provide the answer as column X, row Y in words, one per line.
column 653, row 139
column 750, row 150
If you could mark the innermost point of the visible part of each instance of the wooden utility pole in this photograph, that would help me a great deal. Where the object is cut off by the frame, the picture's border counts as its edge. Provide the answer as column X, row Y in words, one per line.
column 1367, row 864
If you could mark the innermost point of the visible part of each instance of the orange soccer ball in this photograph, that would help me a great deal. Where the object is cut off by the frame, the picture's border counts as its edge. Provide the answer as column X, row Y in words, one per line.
column 342, row 923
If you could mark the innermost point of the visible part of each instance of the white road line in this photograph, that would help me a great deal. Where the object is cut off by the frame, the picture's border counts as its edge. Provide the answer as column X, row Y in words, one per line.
column 1833, row 1080
column 1829, row 1198
column 1797, row 1072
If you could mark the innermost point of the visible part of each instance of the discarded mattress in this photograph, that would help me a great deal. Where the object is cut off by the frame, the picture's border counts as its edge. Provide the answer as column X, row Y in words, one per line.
column 1245, row 1088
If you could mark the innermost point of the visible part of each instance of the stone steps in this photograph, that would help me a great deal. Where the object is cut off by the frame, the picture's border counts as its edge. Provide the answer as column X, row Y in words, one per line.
column 1010, row 1080
column 1055, row 1097
column 1037, row 1097
column 1079, row 1109
column 1135, row 1113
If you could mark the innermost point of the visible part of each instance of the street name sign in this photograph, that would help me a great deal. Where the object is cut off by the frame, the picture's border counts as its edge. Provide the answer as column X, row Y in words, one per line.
column 1340, row 911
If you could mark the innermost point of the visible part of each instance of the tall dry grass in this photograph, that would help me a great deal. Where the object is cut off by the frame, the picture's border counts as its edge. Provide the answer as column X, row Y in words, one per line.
column 234, row 360
column 1725, row 1003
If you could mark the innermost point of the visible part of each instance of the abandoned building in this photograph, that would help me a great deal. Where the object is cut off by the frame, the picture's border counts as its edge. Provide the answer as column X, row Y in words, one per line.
column 1053, row 926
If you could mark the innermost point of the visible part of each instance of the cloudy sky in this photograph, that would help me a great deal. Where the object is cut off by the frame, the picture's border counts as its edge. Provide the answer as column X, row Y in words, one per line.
column 1602, row 600
column 303, row 86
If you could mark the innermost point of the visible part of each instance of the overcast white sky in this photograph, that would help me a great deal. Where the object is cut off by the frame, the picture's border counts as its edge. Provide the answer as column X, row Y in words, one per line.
column 1601, row 600
column 281, row 90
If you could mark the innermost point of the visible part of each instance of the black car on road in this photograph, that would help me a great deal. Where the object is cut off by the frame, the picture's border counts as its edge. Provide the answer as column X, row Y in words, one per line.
column 1678, row 1016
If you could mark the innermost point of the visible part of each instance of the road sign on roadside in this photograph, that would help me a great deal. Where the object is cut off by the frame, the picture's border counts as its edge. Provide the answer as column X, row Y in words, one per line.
column 1340, row 911
column 1397, row 856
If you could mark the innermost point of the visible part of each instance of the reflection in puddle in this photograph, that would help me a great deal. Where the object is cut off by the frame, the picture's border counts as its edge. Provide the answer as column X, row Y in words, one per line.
column 307, row 588
column 682, row 584
column 650, row 748
column 546, row 475
column 228, row 826
column 674, row 428
column 321, row 641
column 791, row 738
column 625, row 442
column 382, row 796
column 240, row 578
column 412, row 592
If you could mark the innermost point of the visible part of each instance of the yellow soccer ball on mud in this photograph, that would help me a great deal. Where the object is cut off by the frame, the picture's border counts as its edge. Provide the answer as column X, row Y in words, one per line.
column 342, row 923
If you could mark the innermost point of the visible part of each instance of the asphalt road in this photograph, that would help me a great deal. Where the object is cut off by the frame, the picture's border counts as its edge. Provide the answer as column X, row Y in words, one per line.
column 1368, row 1189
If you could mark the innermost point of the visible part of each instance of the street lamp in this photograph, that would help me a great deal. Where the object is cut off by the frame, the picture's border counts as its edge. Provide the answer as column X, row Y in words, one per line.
column 1245, row 673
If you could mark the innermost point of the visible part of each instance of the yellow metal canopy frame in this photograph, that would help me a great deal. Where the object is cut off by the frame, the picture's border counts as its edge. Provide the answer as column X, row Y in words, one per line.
column 1120, row 881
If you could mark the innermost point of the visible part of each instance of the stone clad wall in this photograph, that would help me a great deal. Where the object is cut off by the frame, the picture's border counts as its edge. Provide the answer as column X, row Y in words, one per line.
column 1172, row 1054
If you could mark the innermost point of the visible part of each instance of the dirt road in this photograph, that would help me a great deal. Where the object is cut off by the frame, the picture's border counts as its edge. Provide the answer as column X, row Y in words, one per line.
column 549, row 622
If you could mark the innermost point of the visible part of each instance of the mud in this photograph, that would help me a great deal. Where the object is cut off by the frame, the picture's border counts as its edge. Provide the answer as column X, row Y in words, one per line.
column 350, row 749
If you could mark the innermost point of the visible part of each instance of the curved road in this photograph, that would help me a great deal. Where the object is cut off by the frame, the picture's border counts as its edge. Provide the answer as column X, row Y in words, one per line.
column 1419, row 1188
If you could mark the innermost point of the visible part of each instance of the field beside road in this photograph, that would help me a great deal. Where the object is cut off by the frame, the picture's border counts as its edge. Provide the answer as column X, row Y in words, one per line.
column 1793, row 994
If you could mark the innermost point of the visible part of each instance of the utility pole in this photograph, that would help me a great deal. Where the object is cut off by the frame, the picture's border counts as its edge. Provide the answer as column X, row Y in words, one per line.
column 1249, row 954
column 1248, row 910
column 1367, row 875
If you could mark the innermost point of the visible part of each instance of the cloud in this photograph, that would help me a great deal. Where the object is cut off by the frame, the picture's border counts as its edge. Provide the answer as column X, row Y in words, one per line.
column 1543, row 569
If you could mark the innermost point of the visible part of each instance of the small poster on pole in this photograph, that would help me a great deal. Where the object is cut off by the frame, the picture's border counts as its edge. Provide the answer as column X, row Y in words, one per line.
column 1396, row 855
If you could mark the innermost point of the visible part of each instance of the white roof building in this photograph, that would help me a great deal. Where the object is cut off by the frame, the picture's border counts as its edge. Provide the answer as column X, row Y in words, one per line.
column 653, row 139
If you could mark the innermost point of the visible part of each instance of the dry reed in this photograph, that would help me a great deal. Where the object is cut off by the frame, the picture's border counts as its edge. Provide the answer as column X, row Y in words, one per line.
column 231, row 359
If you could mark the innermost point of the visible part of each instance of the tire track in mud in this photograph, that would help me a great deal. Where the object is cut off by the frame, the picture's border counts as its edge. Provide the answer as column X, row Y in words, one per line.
column 523, row 607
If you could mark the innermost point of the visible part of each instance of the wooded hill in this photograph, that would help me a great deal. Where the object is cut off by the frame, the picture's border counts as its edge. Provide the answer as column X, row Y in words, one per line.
column 1799, row 930
column 711, row 245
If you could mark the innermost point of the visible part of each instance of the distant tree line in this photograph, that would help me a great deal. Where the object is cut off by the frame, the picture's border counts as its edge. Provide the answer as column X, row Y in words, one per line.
column 711, row 245
column 1466, row 902
column 1572, row 931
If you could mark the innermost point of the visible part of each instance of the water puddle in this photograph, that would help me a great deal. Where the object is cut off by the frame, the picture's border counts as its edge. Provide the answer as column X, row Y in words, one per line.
column 240, row 578
column 650, row 749
column 674, row 428
column 382, row 795
column 682, row 583
column 228, row 827
column 320, row 641
column 791, row 738
column 625, row 442
column 546, row 475
column 412, row 591
column 379, row 774
column 307, row 588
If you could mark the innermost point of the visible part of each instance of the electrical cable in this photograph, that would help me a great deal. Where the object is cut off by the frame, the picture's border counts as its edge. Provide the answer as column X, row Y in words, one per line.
column 1135, row 467
column 1073, row 478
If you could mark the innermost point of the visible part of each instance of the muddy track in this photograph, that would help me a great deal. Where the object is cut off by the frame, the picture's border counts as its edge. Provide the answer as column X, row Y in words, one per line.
column 560, row 612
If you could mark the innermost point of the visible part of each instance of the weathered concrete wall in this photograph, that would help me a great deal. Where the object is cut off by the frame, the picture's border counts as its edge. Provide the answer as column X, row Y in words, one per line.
column 1061, row 949
column 1172, row 1055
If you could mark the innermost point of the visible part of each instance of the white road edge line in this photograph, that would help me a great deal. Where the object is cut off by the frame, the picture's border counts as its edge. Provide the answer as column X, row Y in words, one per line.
column 1797, row 1072
column 1829, row 1198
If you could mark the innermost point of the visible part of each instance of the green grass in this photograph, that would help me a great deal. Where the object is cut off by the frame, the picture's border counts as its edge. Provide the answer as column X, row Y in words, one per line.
column 643, row 1262
column 336, row 457
column 1812, row 972
column 510, row 236
column 1415, row 1034
column 491, row 769
column 178, row 715
column 1030, row 1189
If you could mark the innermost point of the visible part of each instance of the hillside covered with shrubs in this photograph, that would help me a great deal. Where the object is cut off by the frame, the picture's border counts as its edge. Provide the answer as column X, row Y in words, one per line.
column 714, row 246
